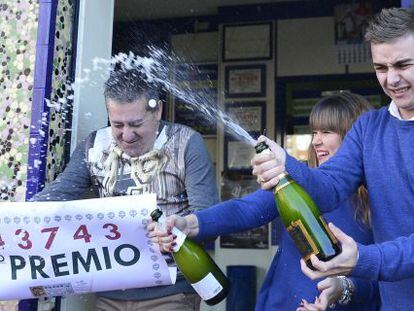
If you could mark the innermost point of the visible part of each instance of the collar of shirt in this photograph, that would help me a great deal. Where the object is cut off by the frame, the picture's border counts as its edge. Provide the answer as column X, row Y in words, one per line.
column 393, row 109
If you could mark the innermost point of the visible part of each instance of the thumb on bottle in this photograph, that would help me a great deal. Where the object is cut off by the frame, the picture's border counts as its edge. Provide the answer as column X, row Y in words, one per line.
column 170, row 223
column 277, row 151
column 339, row 234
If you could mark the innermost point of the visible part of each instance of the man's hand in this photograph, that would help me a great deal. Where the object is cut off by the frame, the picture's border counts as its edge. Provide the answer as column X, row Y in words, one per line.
column 342, row 264
column 268, row 165
column 164, row 236
column 161, row 235
column 330, row 291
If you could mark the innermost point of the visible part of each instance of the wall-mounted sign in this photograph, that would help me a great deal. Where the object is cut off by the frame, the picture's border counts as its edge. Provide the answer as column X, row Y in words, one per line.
column 245, row 81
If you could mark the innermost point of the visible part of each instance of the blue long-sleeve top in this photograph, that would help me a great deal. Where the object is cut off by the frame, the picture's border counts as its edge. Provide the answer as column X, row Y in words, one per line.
column 379, row 152
column 285, row 284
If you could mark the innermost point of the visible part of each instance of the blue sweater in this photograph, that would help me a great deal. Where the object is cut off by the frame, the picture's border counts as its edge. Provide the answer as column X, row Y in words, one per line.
column 285, row 284
column 378, row 151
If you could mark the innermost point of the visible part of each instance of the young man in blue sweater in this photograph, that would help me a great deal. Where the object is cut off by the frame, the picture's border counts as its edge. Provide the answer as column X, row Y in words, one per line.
column 378, row 152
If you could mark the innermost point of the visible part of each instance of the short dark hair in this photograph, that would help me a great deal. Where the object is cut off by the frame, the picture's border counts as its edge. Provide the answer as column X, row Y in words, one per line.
column 126, row 85
column 390, row 24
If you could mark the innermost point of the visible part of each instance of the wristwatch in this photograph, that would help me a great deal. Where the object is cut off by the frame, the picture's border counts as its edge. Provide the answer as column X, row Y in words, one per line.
column 347, row 291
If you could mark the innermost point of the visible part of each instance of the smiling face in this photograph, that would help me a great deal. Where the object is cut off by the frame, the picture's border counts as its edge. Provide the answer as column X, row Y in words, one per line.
column 394, row 67
column 133, row 127
column 325, row 144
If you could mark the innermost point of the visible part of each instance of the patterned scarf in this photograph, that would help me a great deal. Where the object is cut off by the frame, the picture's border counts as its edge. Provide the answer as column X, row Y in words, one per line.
column 142, row 167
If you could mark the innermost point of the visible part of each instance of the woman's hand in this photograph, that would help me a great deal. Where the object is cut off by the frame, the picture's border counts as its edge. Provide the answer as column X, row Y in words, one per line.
column 330, row 289
column 268, row 165
column 341, row 264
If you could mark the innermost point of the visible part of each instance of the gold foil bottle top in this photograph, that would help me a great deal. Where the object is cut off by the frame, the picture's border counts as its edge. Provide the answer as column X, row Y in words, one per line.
column 281, row 175
column 283, row 181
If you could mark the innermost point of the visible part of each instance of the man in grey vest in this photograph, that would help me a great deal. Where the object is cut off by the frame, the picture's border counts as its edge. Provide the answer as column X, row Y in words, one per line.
column 140, row 153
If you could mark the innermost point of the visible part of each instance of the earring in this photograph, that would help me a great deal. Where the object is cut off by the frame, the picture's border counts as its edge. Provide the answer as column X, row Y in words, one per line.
column 152, row 103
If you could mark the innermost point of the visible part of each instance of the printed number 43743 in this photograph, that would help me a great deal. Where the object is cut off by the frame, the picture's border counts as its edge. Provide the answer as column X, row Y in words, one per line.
column 81, row 233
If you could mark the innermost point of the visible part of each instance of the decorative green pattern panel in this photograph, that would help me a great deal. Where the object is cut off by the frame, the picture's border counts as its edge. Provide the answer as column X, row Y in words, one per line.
column 61, row 97
column 18, row 33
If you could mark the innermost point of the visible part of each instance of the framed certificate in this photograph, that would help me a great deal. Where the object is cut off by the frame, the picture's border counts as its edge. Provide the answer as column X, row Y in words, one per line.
column 247, row 42
column 245, row 81
column 249, row 115
column 237, row 155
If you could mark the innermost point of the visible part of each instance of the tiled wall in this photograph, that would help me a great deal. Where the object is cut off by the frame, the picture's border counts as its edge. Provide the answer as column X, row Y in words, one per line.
column 18, row 32
column 61, row 91
column 18, row 35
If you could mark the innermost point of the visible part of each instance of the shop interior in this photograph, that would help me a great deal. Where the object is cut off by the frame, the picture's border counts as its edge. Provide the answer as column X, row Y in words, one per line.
column 264, row 64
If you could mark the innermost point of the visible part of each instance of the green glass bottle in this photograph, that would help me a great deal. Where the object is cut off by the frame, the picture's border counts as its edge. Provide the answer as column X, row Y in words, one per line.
column 197, row 266
column 302, row 218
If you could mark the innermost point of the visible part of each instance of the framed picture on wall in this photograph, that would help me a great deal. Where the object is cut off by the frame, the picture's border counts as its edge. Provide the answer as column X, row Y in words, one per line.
column 245, row 81
column 257, row 238
column 199, row 83
column 247, row 42
column 236, row 185
column 237, row 155
column 251, row 116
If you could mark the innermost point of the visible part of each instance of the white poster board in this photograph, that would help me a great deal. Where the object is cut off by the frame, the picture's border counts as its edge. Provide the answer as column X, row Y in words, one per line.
column 73, row 247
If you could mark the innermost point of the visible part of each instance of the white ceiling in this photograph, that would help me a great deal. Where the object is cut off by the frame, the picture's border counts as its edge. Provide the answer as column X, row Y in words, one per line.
column 129, row 10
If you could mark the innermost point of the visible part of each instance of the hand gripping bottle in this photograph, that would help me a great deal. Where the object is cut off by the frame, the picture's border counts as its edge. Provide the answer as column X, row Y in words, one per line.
column 197, row 266
column 302, row 218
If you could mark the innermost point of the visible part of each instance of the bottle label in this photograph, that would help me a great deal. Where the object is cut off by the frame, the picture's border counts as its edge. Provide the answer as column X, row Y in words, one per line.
column 179, row 240
column 328, row 231
column 302, row 239
column 208, row 287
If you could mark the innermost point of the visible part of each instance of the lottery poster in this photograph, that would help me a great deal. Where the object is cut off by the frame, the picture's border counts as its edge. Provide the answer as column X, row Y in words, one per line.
column 73, row 247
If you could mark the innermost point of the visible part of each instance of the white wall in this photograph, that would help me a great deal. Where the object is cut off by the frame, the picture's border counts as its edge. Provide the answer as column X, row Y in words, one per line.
column 307, row 47
column 197, row 47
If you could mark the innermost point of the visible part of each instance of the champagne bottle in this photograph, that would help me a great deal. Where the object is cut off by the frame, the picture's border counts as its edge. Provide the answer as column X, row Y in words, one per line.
column 197, row 266
column 302, row 218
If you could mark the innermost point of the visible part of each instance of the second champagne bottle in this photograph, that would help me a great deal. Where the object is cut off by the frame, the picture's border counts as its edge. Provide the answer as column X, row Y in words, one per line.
column 197, row 266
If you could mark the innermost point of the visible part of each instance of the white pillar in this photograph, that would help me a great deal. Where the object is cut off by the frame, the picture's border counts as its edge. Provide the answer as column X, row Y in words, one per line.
column 94, row 41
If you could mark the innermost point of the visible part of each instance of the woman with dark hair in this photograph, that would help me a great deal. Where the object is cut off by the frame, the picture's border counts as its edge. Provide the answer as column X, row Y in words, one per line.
column 285, row 286
column 336, row 114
